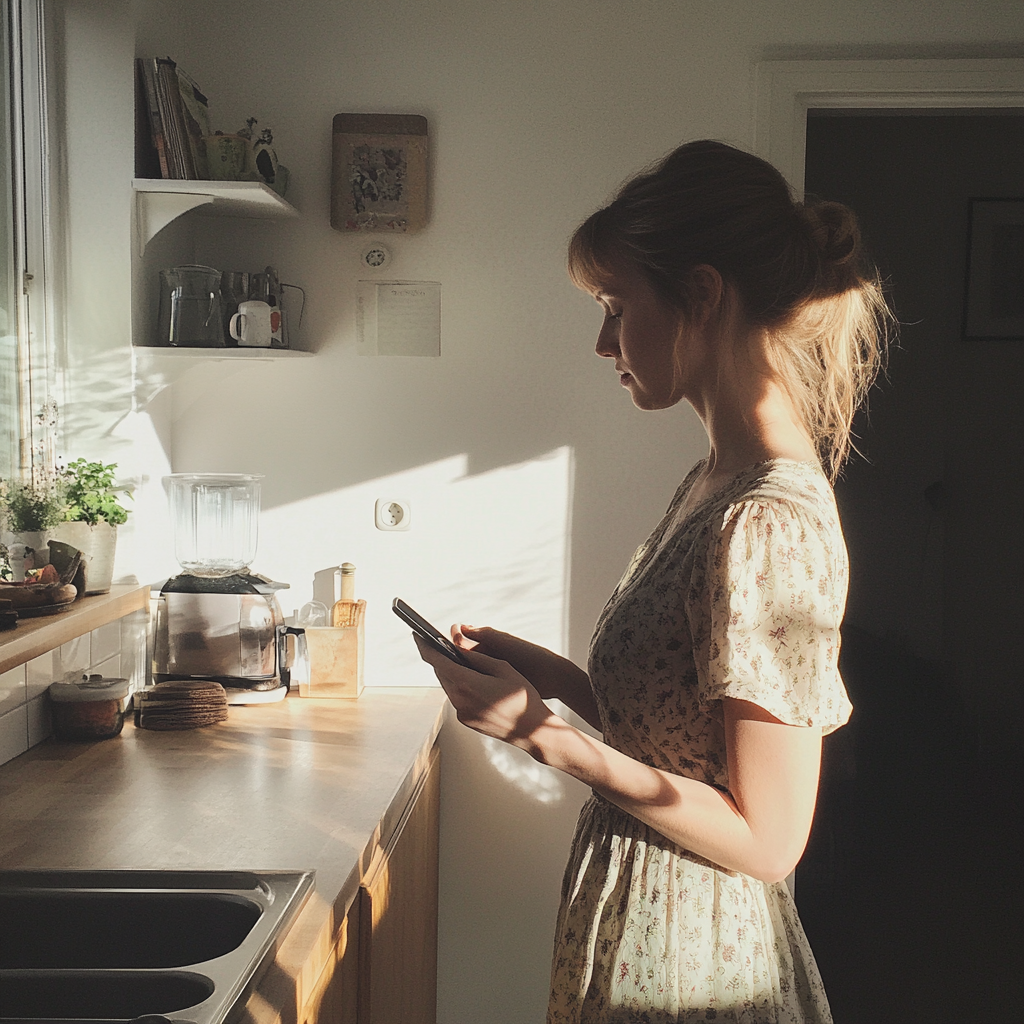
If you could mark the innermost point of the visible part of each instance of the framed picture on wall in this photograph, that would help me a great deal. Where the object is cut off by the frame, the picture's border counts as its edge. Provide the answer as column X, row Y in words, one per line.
column 379, row 172
column 994, row 306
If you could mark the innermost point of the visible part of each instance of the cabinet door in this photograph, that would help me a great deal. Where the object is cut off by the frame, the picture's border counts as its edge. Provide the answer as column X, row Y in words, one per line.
column 333, row 999
column 398, row 917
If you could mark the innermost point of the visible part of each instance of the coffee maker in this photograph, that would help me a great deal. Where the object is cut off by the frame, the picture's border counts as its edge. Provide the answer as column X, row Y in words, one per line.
column 216, row 619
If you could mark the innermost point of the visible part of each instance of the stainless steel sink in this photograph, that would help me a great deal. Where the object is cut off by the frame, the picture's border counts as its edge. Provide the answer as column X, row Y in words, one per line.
column 100, row 995
column 111, row 945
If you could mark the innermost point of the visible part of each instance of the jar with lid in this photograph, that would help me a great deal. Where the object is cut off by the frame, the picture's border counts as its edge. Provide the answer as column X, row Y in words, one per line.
column 91, row 709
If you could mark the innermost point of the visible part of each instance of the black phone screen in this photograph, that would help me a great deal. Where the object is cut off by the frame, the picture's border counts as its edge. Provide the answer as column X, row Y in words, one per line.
column 438, row 640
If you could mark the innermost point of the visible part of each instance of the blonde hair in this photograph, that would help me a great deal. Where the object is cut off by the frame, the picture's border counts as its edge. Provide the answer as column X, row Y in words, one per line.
column 798, row 268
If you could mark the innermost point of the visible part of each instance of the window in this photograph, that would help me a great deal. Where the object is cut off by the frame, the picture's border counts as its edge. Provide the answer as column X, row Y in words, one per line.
column 8, row 301
column 27, row 406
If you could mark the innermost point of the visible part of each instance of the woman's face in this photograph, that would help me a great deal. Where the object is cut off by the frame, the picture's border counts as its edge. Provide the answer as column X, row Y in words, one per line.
column 646, row 337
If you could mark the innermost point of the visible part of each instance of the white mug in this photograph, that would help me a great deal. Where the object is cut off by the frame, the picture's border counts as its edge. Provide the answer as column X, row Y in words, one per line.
column 250, row 326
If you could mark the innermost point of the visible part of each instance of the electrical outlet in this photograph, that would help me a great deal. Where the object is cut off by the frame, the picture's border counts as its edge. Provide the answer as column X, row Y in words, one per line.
column 392, row 514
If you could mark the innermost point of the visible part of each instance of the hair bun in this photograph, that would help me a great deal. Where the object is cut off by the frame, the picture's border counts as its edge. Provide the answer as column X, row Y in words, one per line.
column 833, row 229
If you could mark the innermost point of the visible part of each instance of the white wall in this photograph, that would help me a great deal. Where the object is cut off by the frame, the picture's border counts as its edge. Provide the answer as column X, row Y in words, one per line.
column 537, row 110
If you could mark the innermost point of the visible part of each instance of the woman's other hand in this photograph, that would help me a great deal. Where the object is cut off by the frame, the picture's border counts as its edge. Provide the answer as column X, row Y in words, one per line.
column 490, row 696
column 552, row 675
column 503, row 646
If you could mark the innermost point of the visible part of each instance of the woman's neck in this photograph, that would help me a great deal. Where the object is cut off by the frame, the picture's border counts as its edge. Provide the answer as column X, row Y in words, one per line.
column 748, row 415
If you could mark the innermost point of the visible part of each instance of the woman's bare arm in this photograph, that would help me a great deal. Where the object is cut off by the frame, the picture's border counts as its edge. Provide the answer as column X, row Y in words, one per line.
column 759, row 827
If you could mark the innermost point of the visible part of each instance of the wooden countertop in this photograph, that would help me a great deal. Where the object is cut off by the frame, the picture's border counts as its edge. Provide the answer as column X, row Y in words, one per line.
column 35, row 636
column 301, row 784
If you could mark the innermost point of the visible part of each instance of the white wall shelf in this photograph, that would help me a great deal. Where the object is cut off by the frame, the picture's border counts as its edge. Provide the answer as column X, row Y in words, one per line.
column 159, row 201
column 155, row 368
column 158, row 354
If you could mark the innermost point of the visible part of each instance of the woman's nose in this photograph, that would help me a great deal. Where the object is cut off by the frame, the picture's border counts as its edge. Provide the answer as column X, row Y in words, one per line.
column 608, row 340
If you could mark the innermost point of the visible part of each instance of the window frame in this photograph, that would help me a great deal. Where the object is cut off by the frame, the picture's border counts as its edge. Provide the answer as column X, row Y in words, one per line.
column 33, row 233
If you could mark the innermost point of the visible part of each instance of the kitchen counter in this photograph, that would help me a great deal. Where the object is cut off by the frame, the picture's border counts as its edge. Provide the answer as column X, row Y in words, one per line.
column 300, row 784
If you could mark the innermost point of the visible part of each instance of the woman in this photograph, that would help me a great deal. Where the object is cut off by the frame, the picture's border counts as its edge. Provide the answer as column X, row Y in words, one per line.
column 712, row 673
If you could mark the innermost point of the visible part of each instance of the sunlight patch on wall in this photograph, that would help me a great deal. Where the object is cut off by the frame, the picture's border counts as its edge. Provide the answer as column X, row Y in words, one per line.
column 490, row 549
column 544, row 784
column 145, row 544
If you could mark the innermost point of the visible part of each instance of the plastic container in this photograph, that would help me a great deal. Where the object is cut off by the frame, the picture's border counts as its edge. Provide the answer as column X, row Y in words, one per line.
column 92, row 709
column 330, row 661
column 215, row 518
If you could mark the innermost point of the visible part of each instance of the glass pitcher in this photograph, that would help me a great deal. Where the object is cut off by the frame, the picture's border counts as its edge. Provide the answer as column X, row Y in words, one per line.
column 190, row 308
column 215, row 518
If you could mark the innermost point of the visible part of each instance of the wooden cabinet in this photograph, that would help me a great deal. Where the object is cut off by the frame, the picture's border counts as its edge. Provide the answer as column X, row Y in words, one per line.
column 334, row 998
column 383, row 969
column 398, row 917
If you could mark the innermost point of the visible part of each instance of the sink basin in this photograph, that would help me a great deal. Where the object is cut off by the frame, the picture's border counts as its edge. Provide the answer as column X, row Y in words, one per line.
column 100, row 995
column 110, row 945
column 72, row 929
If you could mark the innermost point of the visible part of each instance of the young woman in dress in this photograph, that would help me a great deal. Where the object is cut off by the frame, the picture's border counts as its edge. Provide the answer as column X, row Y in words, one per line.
column 712, row 673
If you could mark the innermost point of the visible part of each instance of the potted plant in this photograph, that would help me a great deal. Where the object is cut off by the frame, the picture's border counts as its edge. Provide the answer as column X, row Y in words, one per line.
column 91, row 514
column 30, row 515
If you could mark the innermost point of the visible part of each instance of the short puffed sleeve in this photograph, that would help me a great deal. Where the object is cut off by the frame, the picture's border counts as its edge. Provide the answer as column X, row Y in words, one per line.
column 766, row 613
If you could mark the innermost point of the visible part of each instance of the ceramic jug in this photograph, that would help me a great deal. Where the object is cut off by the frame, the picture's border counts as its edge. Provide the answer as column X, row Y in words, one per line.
column 190, row 308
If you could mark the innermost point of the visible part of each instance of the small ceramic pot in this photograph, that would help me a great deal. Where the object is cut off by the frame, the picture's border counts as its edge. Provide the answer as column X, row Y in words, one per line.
column 230, row 158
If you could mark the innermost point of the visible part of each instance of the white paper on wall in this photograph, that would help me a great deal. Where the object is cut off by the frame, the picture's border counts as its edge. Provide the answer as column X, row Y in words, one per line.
column 398, row 318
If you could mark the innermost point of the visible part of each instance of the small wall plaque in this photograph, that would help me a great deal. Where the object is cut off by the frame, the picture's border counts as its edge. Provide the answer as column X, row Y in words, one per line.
column 379, row 172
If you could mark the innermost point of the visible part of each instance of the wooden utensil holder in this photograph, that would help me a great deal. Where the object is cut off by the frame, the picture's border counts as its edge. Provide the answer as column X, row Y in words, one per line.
column 335, row 659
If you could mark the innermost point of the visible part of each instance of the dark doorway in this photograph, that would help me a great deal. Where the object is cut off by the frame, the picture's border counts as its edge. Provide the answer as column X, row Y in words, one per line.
column 911, row 887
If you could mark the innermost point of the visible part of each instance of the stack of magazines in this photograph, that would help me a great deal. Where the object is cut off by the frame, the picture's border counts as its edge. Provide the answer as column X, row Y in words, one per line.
column 178, row 118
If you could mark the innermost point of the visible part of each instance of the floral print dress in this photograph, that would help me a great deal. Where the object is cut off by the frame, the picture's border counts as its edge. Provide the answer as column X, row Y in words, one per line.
column 740, row 596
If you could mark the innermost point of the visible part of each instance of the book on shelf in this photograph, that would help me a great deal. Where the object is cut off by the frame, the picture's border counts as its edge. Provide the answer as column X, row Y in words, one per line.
column 177, row 114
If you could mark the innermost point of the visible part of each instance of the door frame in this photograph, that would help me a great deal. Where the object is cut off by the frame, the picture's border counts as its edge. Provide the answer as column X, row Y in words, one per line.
column 787, row 89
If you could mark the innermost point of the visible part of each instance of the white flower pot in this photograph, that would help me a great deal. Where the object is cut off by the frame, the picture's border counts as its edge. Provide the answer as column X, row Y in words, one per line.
column 97, row 544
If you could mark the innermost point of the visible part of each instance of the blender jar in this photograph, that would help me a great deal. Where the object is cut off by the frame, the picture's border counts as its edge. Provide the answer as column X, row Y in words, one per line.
column 215, row 518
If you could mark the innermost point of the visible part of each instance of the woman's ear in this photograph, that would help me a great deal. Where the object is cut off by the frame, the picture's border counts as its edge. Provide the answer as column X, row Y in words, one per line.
column 708, row 290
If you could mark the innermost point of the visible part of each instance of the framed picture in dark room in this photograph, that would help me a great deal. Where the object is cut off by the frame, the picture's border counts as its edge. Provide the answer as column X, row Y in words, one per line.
column 994, row 306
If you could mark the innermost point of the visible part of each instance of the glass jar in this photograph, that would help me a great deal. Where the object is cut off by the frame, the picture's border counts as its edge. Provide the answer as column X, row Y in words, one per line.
column 92, row 709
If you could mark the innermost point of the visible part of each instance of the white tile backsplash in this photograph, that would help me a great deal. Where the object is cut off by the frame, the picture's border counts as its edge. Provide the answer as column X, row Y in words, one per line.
column 118, row 649
column 74, row 658
column 39, row 673
column 106, row 642
column 109, row 669
column 40, row 721
column 13, row 733
column 135, row 649
column 12, row 689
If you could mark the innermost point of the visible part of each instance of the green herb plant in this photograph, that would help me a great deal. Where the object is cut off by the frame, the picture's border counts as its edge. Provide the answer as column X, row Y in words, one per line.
column 89, row 494
column 28, row 509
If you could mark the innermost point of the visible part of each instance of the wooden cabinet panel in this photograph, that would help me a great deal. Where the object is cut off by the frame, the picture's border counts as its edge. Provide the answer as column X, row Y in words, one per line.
column 334, row 999
column 398, row 917
column 383, row 968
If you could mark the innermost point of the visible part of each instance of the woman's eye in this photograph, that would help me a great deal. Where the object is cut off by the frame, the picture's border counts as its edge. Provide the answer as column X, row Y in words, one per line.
column 612, row 315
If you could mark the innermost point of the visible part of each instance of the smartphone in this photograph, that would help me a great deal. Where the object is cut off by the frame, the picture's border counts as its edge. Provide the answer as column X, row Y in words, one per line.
column 437, row 640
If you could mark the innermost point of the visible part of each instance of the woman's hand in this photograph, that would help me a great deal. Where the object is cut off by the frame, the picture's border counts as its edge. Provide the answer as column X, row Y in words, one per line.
column 490, row 696
column 533, row 661
column 550, row 673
